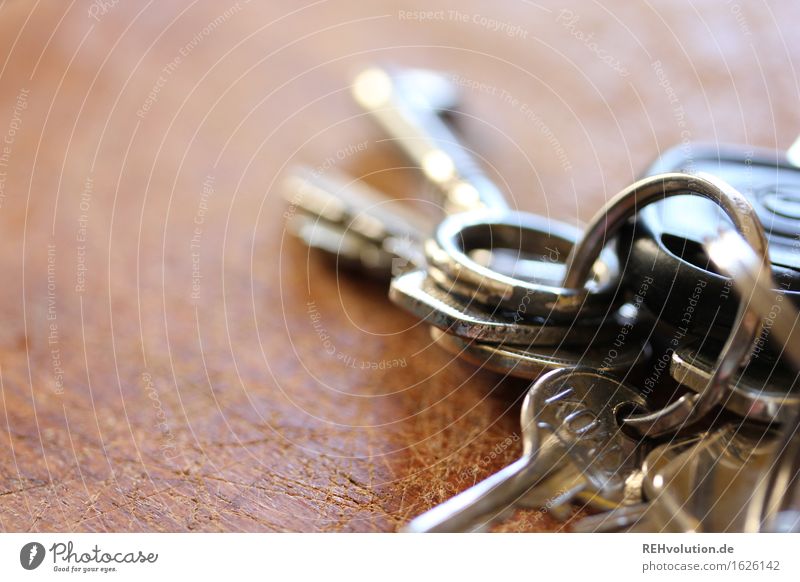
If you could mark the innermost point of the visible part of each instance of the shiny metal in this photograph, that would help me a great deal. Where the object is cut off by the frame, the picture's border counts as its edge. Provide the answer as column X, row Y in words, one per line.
column 692, row 407
column 408, row 106
column 775, row 505
column 708, row 487
column 418, row 294
column 753, row 280
column 762, row 392
column 568, row 417
column 344, row 201
column 350, row 250
column 700, row 483
column 638, row 510
column 622, row 207
column 349, row 220
column 793, row 153
column 532, row 361
column 530, row 236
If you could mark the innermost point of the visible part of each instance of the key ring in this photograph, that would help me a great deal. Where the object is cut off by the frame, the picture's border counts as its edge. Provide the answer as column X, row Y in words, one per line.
column 448, row 252
column 746, row 328
column 754, row 281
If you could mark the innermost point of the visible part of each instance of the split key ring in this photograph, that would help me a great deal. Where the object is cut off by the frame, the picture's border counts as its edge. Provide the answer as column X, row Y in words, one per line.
column 747, row 326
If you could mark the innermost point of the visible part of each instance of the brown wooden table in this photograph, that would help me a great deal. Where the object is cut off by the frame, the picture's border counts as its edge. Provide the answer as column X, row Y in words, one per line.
column 171, row 360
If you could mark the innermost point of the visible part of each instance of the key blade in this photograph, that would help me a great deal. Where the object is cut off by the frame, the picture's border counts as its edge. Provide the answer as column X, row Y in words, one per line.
column 348, row 249
column 350, row 203
column 402, row 110
column 482, row 503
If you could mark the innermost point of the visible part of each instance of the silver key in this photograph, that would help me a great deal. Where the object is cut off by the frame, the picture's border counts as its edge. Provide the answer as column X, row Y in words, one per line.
column 349, row 250
column 407, row 106
column 700, row 484
column 349, row 220
column 638, row 510
column 568, row 417
column 341, row 200
column 707, row 488
column 418, row 294
column 362, row 227
column 533, row 360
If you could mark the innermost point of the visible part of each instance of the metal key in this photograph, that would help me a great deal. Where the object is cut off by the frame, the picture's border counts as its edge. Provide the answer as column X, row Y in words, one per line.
column 568, row 417
column 639, row 510
column 364, row 228
column 349, row 220
column 410, row 113
column 533, row 360
column 355, row 223
column 707, row 487
column 410, row 116
column 417, row 293
column 700, row 483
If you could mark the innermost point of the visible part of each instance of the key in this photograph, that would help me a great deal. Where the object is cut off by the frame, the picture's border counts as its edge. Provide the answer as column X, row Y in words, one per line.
column 707, row 487
column 407, row 104
column 404, row 108
column 666, row 241
column 418, row 294
column 340, row 200
column 568, row 417
column 348, row 211
column 358, row 225
column 350, row 251
column 638, row 510
column 533, row 360
column 703, row 483
column 363, row 228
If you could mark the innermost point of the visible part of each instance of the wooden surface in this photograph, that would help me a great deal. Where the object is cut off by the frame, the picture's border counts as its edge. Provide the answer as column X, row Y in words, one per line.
column 171, row 360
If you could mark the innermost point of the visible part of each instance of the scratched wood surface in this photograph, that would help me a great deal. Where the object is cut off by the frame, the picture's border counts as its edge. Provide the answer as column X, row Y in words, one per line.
column 170, row 360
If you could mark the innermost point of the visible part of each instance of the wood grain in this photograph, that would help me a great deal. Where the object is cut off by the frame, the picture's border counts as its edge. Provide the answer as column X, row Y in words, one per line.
column 170, row 360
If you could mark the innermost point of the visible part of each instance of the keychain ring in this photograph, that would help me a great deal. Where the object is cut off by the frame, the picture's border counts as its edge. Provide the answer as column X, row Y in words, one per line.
column 622, row 207
column 459, row 234
column 746, row 328
column 753, row 279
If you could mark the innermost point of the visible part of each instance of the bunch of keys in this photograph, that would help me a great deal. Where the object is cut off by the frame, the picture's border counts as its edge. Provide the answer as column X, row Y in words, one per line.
column 531, row 297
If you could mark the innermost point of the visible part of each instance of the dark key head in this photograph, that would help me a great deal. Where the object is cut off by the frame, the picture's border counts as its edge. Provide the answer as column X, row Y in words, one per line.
column 665, row 241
